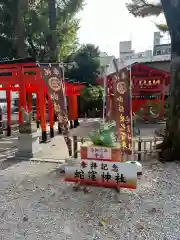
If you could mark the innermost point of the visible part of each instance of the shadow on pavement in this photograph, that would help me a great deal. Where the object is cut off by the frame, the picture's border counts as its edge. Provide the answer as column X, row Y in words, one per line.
column 6, row 163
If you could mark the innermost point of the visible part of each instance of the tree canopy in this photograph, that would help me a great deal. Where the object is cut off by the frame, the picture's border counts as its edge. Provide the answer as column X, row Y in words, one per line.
column 32, row 19
column 87, row 64
column 147, row 8
column 93, row 93
column 27, row 27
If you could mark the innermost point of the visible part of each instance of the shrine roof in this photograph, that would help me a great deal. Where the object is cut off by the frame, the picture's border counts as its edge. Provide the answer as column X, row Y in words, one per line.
column 140, row 68
column 126, row 64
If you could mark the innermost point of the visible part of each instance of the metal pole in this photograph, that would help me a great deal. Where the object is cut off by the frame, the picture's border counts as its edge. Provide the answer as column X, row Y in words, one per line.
column 63, row 85
column 104, row 92
column 130, row 89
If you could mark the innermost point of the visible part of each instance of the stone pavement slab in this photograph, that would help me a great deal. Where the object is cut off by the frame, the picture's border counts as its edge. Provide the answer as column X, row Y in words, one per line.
column 55, row 149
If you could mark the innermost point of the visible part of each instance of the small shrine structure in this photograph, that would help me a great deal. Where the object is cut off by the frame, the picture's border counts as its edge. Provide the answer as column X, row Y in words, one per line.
column 148, row 85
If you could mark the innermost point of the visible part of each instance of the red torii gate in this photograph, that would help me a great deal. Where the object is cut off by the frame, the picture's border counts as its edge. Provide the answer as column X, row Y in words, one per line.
column 24, row 76
column 72, row 91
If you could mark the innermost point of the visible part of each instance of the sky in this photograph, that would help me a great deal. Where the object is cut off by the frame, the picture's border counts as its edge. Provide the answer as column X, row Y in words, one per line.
column 107, row 22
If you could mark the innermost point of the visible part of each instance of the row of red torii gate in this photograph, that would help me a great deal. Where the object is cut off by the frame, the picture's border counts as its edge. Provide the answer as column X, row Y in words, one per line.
column 24, row 76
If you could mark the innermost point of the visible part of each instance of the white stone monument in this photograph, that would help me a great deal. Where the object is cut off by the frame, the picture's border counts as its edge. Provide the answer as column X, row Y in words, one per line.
column 28, row 141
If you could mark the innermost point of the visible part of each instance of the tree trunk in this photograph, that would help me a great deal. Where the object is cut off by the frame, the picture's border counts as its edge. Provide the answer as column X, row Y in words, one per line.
column 54, row 58
column 53, row 26
column 171, row 144
column 20, row 31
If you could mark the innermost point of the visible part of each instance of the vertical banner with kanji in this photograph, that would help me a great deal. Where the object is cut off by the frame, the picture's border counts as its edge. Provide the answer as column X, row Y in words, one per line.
column 123, row 111
column 53, row 78
column 110, row 100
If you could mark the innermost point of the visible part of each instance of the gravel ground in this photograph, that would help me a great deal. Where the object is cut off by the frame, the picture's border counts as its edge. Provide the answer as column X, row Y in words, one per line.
column 36, row 204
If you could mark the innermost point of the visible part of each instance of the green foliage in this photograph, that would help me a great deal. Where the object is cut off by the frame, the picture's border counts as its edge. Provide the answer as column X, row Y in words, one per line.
column 87, row 64
column 37, row 33
column 91, row 101
column 92, row 93
column 7, row 28
column 162, row 27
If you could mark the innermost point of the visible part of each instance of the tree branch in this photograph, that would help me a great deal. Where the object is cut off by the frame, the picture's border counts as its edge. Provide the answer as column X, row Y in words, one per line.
column 32, row 46
column 142, row 8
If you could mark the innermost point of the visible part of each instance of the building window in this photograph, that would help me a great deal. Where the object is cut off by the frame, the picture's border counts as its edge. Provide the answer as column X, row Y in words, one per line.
column 158, row 52
column 128, row 57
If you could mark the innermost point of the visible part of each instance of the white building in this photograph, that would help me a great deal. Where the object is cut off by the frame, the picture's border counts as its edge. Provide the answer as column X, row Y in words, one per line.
column 107, row 61
column 161, row 52
column 161, row 47
column 127, row 53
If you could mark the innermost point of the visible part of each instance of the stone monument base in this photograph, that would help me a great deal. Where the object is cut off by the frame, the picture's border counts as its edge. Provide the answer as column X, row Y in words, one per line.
column 28, row 145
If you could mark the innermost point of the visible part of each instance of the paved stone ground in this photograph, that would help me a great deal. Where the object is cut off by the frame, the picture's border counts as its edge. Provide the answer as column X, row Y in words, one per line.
column 148, row 129
column 55, row 149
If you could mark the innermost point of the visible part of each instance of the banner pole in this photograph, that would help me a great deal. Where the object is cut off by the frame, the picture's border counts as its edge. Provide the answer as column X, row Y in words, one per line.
column 104, row 92
column 130, row 86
